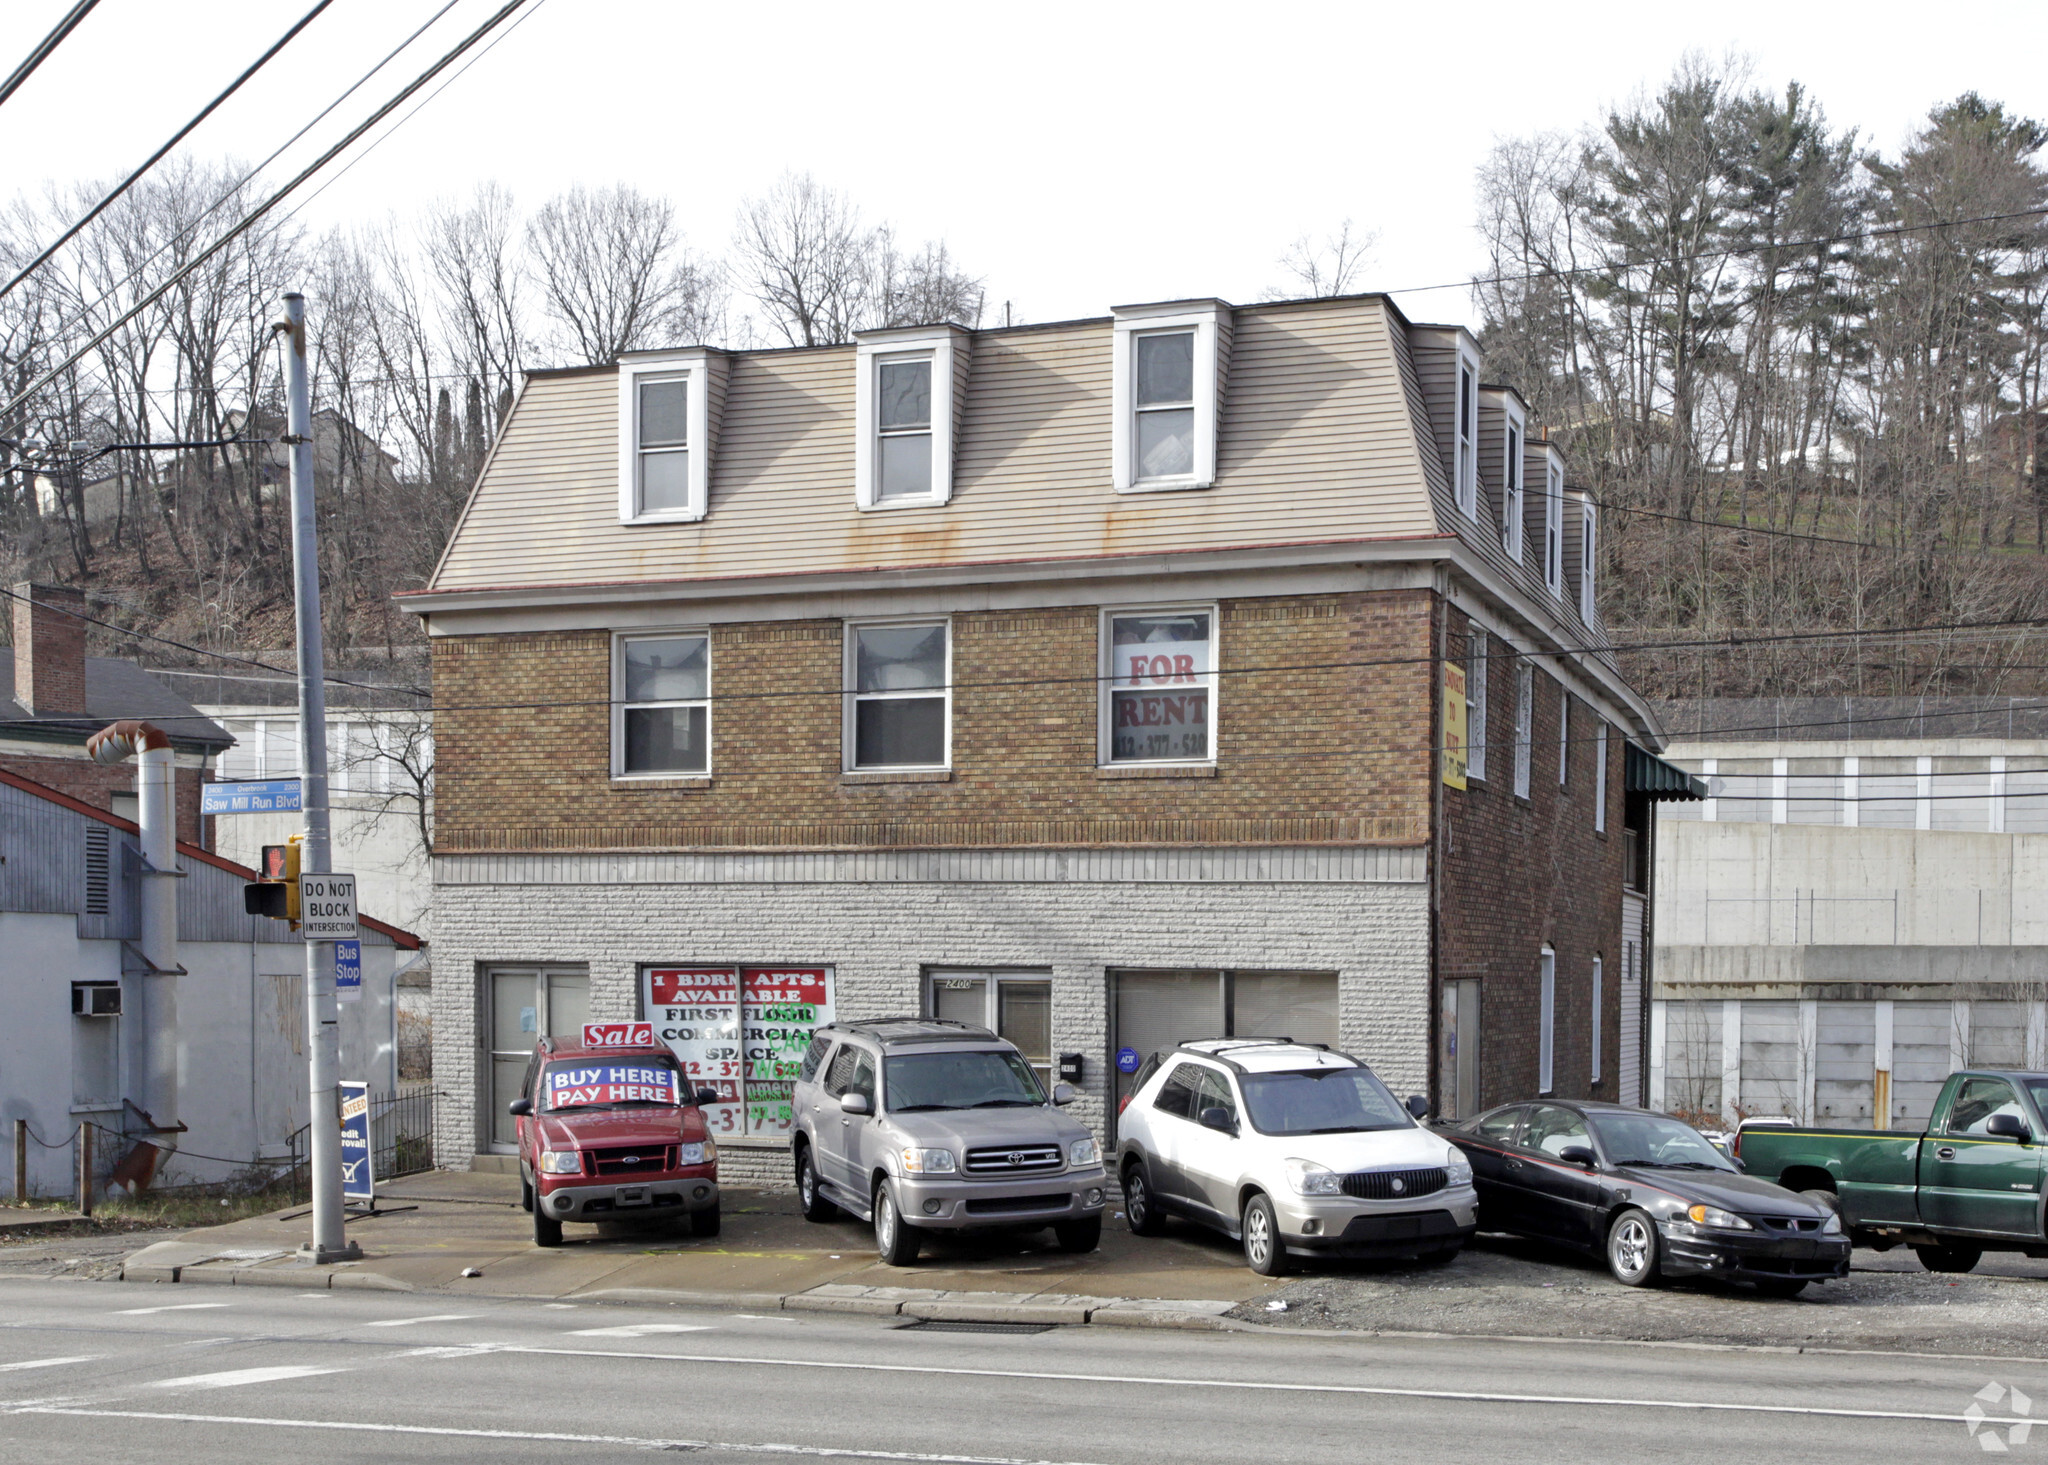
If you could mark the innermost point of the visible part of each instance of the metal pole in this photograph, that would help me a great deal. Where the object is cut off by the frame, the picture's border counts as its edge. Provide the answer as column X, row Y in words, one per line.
column 84, row 1168
column 21, row 1162
column 323, row 1015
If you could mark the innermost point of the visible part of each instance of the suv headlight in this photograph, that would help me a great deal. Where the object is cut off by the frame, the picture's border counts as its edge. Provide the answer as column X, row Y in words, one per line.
column 697, row 1154
column 1458, row 1168
column 1084, row 1152
column 1832, row 1226
column 1717, row 1218
column 561, row 1162
column 1309, row 1178
column 927, row 1162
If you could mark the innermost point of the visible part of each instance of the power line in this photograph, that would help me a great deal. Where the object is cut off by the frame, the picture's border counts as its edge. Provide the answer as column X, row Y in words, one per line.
column 156, row 157
column 43, row 48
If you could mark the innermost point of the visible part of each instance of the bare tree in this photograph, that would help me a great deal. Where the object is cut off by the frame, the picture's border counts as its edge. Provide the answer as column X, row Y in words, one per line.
column 614, row 274
column 472, row 255
column 800, row 250
column 1321, row 270
column 918, row 289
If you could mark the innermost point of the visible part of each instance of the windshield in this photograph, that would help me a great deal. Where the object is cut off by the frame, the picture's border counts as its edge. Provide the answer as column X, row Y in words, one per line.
column 1653, row 1140
column 609, row 1085
column 974, row 1080
column 2037, row 1090
column 1320, row 1101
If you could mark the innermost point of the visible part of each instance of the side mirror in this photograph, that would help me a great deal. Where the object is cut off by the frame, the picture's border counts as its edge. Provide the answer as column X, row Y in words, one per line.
column 1418, row 1106
column 1579, row 1155
column 1217, row 1118
column 856, row 1103
column 705, row 1096
column 520, row 1107
column 1064, row 1093
column 2008, row 1126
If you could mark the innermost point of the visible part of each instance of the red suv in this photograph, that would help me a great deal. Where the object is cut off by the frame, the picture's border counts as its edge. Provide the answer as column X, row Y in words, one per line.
column 611, row 1134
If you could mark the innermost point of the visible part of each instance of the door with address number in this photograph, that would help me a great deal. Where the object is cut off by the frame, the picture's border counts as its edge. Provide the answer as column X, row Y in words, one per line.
column 1012, row 1005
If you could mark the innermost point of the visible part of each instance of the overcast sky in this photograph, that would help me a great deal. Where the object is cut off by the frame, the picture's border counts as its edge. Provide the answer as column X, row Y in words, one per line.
column 1077, row 155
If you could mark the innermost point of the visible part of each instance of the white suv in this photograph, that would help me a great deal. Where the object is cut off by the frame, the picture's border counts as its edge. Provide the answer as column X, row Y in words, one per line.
column 1289, row 1147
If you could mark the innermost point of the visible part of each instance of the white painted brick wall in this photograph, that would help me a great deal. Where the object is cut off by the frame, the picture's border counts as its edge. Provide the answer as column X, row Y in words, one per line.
column 880, row 937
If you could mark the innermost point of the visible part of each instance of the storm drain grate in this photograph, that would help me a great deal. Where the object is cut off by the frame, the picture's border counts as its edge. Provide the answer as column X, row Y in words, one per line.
column 939, row 1325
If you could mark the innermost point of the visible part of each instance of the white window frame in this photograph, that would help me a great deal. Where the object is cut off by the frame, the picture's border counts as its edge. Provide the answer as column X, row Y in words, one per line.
column 1599, row 977
column 619, row 703
column 1465, row 435
column 1589, row 549
column 1210, row 322
column 1600, row 776
column 1546, row 1022
column 941, row 346
column 1476, row 667
column 1553, row 528
column 1105, row 700
column 693, row 368
column 1525, row 724
column 850, row 700
column 1513, row 468
column 1564, row 734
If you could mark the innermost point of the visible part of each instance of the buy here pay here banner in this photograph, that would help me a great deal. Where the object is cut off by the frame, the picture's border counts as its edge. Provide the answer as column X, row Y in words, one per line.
column 741, row 1030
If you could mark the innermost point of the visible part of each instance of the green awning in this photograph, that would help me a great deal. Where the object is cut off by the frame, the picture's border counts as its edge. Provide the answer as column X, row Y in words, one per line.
column 1643, row 772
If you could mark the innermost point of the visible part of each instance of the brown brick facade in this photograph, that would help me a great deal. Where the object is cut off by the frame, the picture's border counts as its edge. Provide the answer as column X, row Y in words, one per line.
column 1323, row 726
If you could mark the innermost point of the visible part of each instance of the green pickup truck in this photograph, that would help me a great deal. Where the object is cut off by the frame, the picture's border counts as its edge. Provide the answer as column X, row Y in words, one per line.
column 1971, row 1184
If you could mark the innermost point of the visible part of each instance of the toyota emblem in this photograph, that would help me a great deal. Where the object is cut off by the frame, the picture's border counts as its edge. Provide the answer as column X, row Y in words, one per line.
column 1016, row 1157
column 1399, row 1187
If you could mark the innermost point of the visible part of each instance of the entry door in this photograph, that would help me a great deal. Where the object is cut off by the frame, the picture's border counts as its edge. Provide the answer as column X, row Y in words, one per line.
column 1016, row 1006
column 1975, row 1181
column 525, row 1003
column 1458, row 1062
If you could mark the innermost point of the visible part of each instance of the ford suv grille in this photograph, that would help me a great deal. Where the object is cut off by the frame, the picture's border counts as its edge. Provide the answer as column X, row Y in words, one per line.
column 1394, row 1184
column 1017, row 1160
column 631, row 1160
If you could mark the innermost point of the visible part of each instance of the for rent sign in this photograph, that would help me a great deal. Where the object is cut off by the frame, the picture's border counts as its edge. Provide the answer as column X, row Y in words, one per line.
column 610, row 1083
column 1160, row 684
column 1454, row 725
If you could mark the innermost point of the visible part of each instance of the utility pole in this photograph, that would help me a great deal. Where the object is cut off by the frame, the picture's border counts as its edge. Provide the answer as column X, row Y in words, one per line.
column 323, row 1014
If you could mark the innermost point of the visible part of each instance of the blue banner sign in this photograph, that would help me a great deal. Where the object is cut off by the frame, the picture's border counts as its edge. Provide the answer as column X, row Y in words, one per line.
column 357, row 1183
column 348, row 970
column 272, row 796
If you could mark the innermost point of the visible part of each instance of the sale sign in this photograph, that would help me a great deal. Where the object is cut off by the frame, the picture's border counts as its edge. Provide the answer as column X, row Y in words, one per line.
column 569, row 1086
column 618, row 1035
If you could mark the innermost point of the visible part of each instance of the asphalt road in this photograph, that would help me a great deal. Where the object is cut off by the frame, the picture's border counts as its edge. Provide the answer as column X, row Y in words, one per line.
column 110, row 1371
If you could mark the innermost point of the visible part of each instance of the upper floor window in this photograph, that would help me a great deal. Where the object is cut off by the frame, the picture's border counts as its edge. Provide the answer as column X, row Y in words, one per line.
column 1525, row 724
column 1600, row 777
column 1476, row 668
column 899, row 695
column 1589, row 559
column 1468, row 436
column 666, row 424
column 1159, row 688
column 1164, row 386
column 1511, row 491
column 1553, row 529
column 661, row 723
column 1564, row 735
column 904, row 415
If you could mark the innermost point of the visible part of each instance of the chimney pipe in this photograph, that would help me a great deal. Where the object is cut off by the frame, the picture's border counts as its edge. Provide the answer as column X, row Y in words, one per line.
column 49, row 650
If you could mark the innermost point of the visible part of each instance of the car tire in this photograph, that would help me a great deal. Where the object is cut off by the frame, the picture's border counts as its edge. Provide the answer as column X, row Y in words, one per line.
column 1632, row 1249
column 704, row 1222
column 547, row 1231
column 1141, row 1213
column 809, row 1193
column 525, row 1194
column 1781, row 1286
column 1264, row 1251
column 1948, row 1258
column 1078, row 1236
column 896, row 1242
column 1441, row 1255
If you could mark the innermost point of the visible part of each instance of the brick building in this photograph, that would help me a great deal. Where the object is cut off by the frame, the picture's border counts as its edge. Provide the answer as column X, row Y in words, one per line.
column 1087, row 679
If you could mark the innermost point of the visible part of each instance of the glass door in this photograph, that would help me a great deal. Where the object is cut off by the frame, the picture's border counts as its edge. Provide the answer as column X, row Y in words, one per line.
column 1016, row 1006
column 525, row 1002
column 1458, row 1060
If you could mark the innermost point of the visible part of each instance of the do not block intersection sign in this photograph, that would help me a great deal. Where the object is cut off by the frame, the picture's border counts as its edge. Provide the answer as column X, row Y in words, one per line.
column 327, row 907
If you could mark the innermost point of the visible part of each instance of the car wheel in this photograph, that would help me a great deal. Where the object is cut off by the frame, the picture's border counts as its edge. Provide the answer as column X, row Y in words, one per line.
column 1078, row 1235
column 1632, row 1249
column 1140, row 1214
column 525, row 1194
column 1781, row 1286
column 547, row 1231
column 808, row 1194
column 704, row 1222
column 1441, row 1255
column 896, row 1242
column 1948, row 1258
column 1264, row 1251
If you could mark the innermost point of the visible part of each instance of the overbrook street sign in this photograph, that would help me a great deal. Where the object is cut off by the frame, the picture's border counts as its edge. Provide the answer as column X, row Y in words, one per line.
column 327, row 907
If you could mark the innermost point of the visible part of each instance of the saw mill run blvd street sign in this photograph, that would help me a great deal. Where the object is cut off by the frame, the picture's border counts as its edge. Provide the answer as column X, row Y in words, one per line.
column 327, row 907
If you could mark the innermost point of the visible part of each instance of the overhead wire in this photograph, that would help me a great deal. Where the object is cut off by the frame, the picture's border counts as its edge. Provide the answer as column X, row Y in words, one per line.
column 44, row 47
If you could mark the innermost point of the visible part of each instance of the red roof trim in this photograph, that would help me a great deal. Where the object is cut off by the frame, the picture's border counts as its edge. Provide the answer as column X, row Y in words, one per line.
column 400, row 938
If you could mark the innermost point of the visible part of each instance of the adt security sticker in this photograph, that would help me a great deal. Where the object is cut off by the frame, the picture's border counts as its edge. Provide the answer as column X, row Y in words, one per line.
column 1127, row 1060
column 571, row 1087
column 348, row 971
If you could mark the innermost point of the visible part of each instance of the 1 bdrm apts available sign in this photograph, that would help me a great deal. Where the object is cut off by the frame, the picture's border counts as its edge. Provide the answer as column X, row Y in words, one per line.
column 741, row 1030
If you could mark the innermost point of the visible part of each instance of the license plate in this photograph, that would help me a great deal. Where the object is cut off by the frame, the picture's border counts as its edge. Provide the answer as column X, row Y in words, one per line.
column 633, row 1195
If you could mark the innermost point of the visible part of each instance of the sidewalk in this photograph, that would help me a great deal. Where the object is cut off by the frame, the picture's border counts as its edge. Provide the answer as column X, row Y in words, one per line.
column 768, row 1258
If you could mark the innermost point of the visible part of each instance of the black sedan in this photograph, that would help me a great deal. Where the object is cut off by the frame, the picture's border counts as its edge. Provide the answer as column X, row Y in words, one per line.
column 1646, row 1191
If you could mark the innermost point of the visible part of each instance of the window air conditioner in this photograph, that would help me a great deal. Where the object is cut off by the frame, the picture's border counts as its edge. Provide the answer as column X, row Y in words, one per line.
column 96, row 999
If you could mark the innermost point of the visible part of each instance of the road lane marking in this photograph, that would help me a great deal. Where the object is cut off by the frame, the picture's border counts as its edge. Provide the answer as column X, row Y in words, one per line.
column 840, row 1452
column 171, row 1307
column 46, row 1362
column 641, row 1330
column 406, row 1322
column 235, row 1377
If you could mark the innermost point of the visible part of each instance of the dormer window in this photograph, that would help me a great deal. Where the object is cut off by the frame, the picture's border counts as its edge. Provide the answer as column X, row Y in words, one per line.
column 667, row 419
column 1589, row 551
column 906, row 405
column 1553, row 530
column 1511, row 490
column 1467, row 465
column 1167, row 377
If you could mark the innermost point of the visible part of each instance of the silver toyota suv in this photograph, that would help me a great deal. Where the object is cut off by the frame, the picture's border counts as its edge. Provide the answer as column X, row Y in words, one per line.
column 918, row 1124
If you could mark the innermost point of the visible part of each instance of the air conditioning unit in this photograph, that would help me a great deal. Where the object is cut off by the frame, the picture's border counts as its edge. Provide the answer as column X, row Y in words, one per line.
column 96, row 999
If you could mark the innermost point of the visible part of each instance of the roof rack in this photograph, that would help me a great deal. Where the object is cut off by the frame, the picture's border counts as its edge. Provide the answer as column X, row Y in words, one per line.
column 1224, row 1047
column 872, row 1026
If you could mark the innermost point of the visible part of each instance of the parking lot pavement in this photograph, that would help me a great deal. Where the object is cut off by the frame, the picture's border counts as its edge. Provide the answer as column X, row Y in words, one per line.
column 1501, row 1286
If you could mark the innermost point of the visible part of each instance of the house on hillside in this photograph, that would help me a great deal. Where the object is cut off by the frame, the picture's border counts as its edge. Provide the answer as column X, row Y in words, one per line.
column 1098, row 681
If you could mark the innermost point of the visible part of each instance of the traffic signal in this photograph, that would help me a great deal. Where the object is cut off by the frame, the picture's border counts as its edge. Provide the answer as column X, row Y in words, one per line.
column 276, row 893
